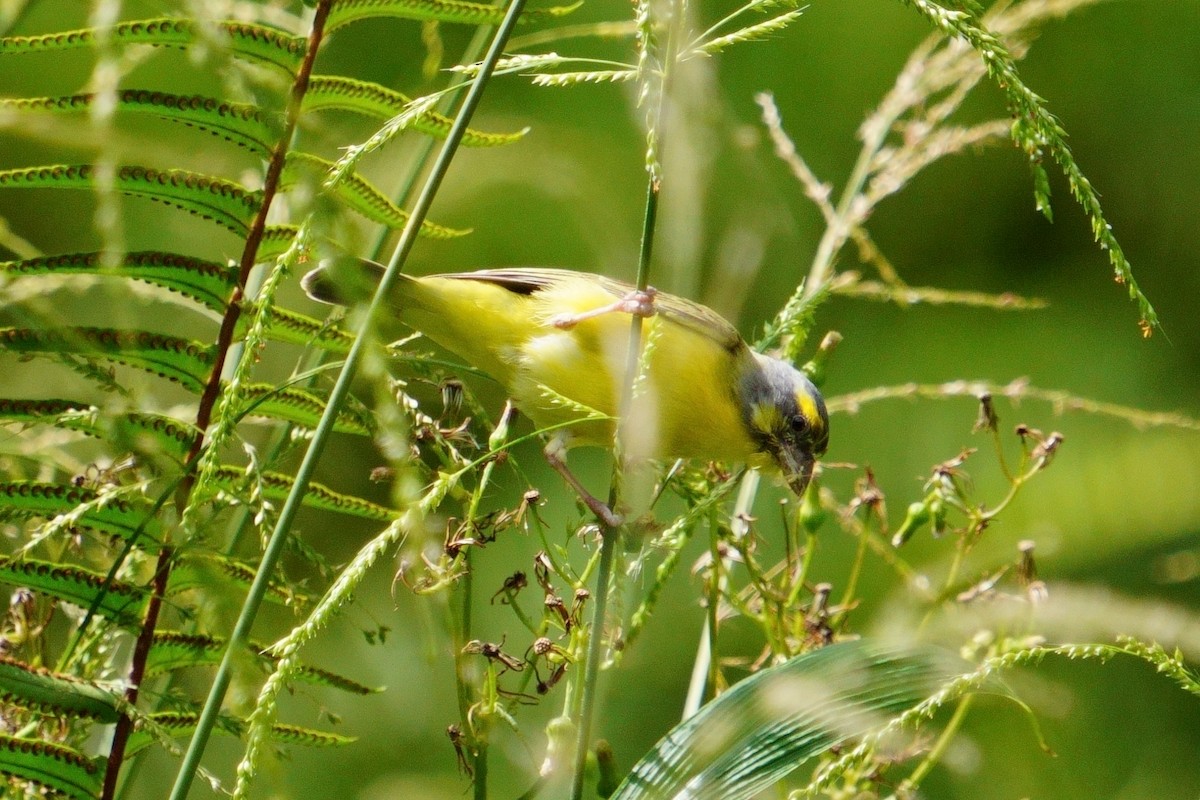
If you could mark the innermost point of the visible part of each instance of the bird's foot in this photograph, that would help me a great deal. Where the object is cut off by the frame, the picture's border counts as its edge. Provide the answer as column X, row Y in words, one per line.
column 555, row 456
column 639, row 303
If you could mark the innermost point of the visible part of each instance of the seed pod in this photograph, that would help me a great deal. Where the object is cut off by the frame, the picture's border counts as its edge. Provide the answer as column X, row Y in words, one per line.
column 812, row 513
column 918, row 514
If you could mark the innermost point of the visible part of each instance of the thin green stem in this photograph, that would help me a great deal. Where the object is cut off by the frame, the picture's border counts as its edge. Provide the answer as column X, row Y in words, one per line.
column 810, row 549
column 480, row 769
column 587, row 702
column 856, row 566
column 459, row 634
column 275, row 545
column 609, row 535
column 716, row 585
column 909, row 784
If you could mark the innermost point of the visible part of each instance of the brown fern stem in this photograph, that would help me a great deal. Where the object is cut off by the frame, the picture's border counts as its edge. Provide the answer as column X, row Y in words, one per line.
column 212, row 391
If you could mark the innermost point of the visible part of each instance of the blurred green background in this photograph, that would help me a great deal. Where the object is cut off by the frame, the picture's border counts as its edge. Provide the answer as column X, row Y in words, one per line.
column 1120, row 507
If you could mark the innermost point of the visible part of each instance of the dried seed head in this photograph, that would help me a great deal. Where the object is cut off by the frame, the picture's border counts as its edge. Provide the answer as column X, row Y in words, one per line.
column 987, row 419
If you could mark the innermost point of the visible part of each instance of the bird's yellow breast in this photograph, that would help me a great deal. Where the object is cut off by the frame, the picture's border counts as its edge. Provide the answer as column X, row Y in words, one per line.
column 685, row 404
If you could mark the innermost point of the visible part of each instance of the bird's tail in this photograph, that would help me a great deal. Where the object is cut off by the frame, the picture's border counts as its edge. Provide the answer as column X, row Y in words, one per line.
column 344, row 281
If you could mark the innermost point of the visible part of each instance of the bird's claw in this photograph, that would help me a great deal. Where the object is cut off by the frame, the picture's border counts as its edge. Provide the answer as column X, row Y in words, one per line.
column 639, row 303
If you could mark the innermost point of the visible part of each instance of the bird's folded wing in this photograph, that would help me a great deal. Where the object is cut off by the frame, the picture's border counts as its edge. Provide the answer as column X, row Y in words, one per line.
column 530, row 280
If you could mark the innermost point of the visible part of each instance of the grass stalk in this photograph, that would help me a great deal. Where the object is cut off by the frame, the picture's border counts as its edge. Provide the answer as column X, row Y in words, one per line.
column 608, row 534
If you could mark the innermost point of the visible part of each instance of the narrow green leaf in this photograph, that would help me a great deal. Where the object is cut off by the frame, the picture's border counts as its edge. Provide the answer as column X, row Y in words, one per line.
column 181, row 360
column 275, row 486
column 302, row 407
column 58, row 768
column 751, row 33
column 207, row 571
column 245, row 40
column 50, row 692
column 374, row 100
column 179, row 724
column 116, row 601
column 224, row 202
column 242, row 124
column 135, row 431
column 346, row 11
column 206, row 282
column 289, row 326
column 358, row 194
column 111, row 514
column 276, row 240
column 321, row 677
column 173, row 650
column 769, row 724
column 308, row 737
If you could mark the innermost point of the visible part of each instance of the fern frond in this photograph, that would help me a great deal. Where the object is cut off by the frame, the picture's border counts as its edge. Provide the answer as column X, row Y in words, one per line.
column 290, row 326
column 181, row 723
column 224, row 202
column 374, row 100
column 114, row 600
column 206, row 282
column 275, row 486
column 44, row 691
column 300, row 407
column 183, row 361
column 457, row 11
column 173, row 650
column 203, row 571
column 357, row 193
column 241, row 124
column 136, row 431
column 59, row 769
column 108, row 513
column 248, row 41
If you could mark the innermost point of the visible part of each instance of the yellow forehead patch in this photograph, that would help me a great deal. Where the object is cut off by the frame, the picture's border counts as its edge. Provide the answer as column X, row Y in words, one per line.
column 808, row 407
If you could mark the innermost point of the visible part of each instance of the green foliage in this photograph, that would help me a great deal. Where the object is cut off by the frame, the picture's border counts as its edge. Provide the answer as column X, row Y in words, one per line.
column 252, row 42
column 128, row 501
column 224, row 202
column 141, row 511
column 59, row 769
column 769, row 724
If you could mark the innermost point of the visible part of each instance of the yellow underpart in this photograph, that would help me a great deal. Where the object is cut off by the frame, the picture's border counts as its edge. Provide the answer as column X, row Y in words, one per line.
column 687, row 406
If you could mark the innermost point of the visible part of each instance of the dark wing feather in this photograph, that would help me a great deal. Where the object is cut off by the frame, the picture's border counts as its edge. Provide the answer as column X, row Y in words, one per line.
column 691, row 315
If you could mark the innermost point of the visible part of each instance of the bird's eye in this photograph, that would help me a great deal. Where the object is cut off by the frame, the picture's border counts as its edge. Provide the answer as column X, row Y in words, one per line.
column 799, row 424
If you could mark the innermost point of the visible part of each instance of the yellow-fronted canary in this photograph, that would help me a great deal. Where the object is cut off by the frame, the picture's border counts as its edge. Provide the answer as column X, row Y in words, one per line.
column 558, row 341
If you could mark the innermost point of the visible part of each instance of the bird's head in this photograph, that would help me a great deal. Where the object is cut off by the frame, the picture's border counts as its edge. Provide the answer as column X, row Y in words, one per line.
column 786, row 417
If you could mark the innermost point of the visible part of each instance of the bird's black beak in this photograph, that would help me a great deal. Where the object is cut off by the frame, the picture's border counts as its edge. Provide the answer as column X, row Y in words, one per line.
column 796, row 461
